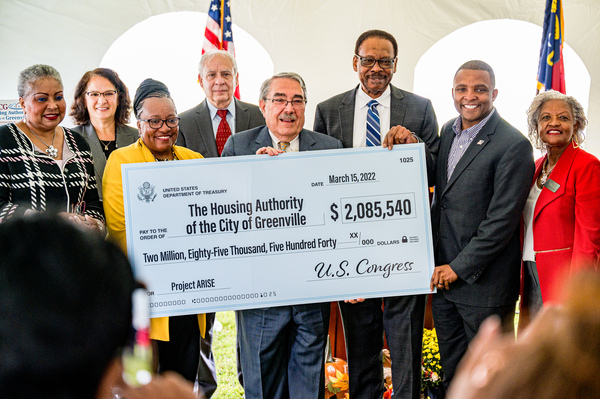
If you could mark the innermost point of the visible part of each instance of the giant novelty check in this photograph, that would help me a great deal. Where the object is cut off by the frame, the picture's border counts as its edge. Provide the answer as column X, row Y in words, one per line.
column 259, row 231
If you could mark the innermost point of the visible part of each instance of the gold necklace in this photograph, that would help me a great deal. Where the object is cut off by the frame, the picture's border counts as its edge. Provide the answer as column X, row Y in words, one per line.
column 166, row 159
column 545, row 174
column 106, row 144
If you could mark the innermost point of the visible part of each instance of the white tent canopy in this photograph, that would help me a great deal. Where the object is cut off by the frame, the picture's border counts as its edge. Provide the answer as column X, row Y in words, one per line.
column 314, row 38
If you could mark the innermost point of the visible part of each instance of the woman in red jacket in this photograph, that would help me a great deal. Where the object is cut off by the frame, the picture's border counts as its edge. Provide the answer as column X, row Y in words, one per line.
column 562, row 215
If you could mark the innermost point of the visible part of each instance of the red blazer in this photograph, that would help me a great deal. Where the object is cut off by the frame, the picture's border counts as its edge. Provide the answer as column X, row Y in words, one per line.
column 566, row 223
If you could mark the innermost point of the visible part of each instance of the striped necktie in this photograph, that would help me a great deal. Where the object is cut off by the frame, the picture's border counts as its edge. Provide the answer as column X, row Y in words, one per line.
column 373, row 134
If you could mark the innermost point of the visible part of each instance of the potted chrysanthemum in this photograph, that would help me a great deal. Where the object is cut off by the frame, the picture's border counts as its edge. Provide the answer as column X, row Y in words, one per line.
column 431, row 369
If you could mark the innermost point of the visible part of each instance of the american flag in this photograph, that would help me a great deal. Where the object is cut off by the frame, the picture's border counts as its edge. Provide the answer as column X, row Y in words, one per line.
column 218, row 33
column 551, row 71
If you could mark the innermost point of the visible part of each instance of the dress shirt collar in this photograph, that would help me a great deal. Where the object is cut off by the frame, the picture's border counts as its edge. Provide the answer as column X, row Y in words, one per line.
column 213, row 110
column 473, row 130
column 362, row 98
column 294, row 144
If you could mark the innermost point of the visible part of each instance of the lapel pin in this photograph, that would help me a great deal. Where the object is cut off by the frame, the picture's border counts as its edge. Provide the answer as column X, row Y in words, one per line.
column 480, row 142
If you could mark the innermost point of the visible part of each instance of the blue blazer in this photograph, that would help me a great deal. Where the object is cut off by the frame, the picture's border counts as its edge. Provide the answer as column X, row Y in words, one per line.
column 248, row 142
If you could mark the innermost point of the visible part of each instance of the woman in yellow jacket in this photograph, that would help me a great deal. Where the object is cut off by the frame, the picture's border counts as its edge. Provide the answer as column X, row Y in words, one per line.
column 178, row 338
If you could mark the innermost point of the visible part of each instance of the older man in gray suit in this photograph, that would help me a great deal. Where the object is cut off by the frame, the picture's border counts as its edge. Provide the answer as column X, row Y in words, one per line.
column 202, row 128
column 484, row 172
column 205, row 129
column 359, row 118
column 282, row 348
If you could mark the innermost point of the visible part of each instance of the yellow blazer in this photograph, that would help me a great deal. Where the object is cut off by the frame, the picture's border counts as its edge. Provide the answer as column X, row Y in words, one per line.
column 112, row 198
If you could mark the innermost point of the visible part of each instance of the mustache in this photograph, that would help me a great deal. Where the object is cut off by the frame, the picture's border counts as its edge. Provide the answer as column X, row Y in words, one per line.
column 377, row 75
column 288, row 117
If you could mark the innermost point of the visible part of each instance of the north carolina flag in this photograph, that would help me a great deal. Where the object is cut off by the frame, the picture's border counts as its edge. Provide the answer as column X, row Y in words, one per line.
column 551, row 71
column 218, row 34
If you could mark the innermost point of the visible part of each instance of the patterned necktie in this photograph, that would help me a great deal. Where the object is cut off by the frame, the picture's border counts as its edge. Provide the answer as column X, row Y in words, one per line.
column 373, row 134
column 283, row 145
column 223, row 131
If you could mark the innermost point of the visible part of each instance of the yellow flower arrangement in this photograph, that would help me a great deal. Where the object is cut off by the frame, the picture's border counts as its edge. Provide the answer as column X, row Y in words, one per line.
column 431, row 369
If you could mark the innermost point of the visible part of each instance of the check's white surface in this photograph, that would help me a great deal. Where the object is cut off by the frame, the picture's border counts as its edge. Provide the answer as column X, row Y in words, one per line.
column 259, row 231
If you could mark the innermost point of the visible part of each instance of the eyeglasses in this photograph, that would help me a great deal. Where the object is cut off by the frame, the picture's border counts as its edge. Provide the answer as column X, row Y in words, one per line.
column 281, row 102
column 158, row 123
column 109, row 94
column 384, row 63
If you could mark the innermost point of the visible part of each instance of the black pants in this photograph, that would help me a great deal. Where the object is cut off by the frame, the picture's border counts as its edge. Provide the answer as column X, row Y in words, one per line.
column 364, row 325
column 188, row 354
column 456, row 324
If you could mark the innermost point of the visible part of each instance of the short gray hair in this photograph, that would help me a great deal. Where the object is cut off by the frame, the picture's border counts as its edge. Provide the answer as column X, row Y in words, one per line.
column 210, row 54
column 533, row 113
column 266, row 86
column 29, row 76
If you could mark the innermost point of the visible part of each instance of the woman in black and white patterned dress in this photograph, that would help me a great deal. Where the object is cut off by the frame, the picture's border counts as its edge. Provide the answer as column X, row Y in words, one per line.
column 44, row 167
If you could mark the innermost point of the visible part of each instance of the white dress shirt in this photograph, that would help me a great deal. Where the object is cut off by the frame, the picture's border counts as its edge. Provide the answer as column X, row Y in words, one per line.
column 359, row 136
column 216, row 119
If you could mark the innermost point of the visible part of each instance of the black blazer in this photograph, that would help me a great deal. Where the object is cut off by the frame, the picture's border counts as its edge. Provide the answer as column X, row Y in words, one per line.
column 196, row 129
column 335, row 117
column 126, row 135
column 476, row 213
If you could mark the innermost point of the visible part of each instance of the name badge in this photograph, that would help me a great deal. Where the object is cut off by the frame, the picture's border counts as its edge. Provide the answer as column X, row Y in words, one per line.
column 552, row 185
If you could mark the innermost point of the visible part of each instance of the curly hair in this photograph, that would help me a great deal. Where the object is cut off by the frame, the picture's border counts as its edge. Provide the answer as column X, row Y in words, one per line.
column 533, row 113
column 79, row 111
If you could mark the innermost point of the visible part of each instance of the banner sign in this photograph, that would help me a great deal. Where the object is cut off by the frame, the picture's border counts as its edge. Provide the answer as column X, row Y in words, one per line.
column 10, row 111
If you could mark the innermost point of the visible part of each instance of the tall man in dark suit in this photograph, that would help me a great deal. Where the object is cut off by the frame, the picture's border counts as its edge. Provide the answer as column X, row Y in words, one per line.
column 204, row 130
column 199, row 127
column 282, row 348
column 407, row 118
column 484, row 171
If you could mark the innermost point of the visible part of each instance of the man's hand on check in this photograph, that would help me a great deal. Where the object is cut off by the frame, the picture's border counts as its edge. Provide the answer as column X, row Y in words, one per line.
column 268, row 150
column 398, row 135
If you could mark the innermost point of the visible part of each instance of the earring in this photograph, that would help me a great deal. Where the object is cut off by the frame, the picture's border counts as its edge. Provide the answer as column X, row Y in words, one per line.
column 575, row 141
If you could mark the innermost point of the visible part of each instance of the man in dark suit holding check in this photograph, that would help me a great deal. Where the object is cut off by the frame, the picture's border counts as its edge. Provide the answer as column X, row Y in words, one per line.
column 484, row 171
column 282, row 348
column 359, row 118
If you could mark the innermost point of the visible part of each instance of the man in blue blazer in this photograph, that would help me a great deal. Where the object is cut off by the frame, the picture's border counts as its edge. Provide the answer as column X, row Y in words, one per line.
column 282, row 348
column 198, row 129
column 484, row 172
column 407, row 118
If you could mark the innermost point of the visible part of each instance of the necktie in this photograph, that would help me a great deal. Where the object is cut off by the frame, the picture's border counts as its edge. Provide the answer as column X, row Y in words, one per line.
column 283, row 145
column 373, row 134
column 223, row 131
